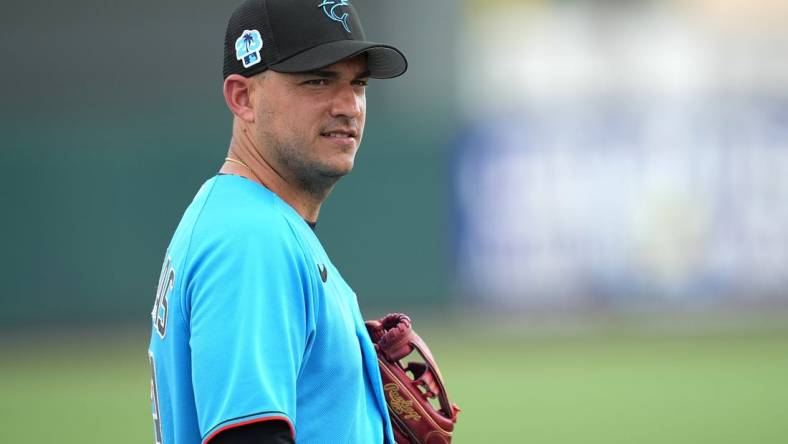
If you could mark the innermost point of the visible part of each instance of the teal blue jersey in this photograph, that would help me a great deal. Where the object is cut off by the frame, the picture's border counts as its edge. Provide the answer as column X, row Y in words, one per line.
column 252, row 322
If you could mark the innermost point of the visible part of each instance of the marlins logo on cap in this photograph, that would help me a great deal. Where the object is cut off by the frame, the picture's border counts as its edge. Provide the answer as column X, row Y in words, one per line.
column 248, row 46
column 330, row 10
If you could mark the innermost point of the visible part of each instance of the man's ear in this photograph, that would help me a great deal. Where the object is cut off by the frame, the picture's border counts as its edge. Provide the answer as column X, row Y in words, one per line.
column 237, row 95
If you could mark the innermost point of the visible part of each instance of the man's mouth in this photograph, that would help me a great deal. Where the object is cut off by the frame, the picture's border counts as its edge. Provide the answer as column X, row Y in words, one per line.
column 343, row 137
column 340, row 133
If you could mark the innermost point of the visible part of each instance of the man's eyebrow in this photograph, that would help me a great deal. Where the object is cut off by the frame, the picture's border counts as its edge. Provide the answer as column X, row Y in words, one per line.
column 333, row 74
column 321, row 73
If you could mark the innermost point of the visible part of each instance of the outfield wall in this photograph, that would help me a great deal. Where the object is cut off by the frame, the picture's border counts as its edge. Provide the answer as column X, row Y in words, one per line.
column 548, row 154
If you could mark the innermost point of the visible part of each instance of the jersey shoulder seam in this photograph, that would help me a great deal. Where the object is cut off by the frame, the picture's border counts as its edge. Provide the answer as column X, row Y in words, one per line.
column 309, row 267
column 304, row 251
column 189, row 246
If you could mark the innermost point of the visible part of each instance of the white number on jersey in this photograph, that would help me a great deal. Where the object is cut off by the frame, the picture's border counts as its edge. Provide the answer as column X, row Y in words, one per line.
column 161, row 305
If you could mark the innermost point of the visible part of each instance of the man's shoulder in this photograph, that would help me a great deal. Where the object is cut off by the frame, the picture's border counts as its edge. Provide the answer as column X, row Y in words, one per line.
column 231, row 201
column 233, row 208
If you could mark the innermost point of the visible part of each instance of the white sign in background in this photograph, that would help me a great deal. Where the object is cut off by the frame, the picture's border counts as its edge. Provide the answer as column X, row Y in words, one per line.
column 618, row 205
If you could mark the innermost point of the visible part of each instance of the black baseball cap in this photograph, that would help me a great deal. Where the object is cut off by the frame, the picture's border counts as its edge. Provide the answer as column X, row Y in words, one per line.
column 302, row 35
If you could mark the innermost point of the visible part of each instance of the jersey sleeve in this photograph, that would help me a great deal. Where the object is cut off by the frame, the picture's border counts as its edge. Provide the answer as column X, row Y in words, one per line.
column 250, row 312
column 268, row 432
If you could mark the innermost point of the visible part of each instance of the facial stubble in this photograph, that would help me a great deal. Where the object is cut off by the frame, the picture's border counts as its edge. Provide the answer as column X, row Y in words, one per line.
column 294, row 160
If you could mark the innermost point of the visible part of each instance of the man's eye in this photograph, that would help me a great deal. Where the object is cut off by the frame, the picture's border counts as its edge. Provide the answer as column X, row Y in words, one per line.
column 361, row 82
column 317, row 82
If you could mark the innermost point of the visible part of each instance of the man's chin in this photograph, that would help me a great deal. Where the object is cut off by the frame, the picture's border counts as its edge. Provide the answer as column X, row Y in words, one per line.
column 335, row 175
column 339, row 170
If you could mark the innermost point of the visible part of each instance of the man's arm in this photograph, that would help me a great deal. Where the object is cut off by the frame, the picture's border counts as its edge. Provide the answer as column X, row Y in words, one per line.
column 250, row 320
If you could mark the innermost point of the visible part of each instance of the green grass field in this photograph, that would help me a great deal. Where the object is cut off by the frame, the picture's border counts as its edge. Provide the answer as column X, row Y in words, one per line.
column 597, row 387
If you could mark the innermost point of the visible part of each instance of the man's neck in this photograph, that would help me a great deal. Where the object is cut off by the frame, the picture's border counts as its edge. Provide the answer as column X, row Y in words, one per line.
column 251, row 165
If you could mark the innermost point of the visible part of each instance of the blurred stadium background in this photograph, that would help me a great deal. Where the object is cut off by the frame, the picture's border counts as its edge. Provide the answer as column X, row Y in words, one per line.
column 584, row 205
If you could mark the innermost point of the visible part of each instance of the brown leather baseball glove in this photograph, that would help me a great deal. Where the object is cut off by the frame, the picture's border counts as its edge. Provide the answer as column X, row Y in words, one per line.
column 410, row 387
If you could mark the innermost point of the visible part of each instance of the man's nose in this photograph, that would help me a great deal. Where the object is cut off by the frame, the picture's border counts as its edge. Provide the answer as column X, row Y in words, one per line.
column 348, row 102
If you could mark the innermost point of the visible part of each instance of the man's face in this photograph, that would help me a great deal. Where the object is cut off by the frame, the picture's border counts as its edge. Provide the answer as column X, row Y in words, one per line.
column 309, row 125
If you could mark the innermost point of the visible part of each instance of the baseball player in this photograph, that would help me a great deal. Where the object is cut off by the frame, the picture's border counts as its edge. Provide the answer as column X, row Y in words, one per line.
column 256, row 337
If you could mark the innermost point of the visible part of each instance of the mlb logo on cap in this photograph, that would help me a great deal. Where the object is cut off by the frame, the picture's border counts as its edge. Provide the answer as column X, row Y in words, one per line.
column 248, row 46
